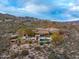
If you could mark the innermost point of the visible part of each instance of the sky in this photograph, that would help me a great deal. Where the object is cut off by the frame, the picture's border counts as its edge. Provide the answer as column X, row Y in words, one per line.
column 55, row 10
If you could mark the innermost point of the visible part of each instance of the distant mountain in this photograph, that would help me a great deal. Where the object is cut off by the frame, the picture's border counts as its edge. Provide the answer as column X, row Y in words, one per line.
column 8, row 16
column 10, row 23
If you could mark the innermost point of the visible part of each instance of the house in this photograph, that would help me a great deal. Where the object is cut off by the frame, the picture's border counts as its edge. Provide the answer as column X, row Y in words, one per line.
column 45, row 30
column 44, row 40
column 42, row 36
column 8, row 20
column 13, row 39
column 41, row 31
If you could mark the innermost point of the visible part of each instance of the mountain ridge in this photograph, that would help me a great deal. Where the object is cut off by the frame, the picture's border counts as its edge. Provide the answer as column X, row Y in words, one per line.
column 26, row 17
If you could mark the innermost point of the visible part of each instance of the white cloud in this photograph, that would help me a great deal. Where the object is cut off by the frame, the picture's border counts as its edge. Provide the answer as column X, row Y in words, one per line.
column 33, row 8
column 73, row 7
column 36, row 8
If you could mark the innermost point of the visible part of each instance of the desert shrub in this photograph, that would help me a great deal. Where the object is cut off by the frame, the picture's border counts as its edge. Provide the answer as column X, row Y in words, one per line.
column 57, row 37
column 52, row 55
column 14, row 55
column 4, row 44
column 30, row 41
column 38, row 48
column 25, row 53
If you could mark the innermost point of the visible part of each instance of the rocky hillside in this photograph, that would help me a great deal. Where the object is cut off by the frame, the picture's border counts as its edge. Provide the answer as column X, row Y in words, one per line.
column 9, row 24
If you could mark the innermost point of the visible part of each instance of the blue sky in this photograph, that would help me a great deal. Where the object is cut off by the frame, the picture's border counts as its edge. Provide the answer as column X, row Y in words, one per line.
column 55, row 10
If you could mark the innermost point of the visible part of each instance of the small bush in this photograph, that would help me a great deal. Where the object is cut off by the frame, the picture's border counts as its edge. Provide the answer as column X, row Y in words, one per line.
column 14, row 55
column 57, row 37
column 25, row 52
column 38, row 48
column 30, row 41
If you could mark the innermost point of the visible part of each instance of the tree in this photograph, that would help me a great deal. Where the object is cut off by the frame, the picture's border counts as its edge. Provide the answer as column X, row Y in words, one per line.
column 19, row 39
column 23, row 31
column 57, row 37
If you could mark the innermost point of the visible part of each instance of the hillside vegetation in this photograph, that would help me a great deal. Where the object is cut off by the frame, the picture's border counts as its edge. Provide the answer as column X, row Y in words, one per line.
column 9, row 24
